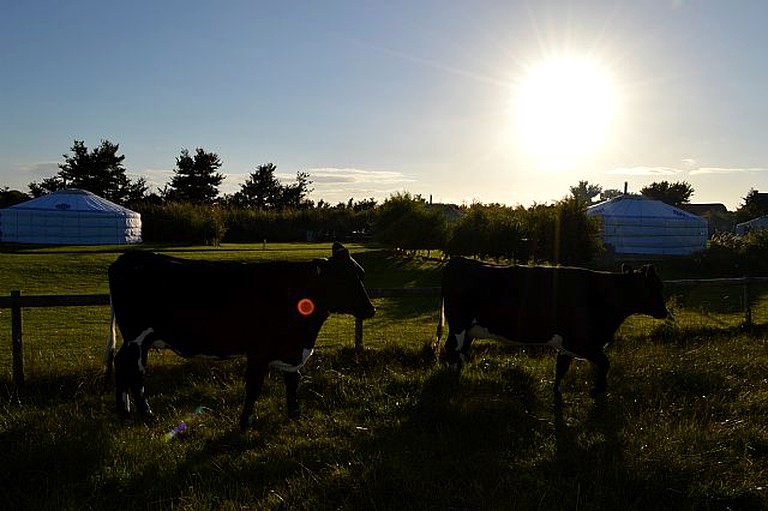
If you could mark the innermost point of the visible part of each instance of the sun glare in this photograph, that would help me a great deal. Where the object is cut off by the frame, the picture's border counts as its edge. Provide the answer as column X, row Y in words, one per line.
column 562, row 111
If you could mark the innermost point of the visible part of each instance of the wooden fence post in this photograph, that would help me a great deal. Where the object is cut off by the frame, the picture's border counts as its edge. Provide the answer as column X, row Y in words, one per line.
column 358, row 334
column 18, row 352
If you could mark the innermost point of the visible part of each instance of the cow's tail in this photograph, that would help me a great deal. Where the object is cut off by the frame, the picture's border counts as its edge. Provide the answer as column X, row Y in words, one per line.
column 109, row 350
column 440, row 325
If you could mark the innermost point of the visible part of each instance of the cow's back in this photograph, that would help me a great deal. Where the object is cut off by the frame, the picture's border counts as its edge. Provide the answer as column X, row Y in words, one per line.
column 527, row 303
column 211, row 308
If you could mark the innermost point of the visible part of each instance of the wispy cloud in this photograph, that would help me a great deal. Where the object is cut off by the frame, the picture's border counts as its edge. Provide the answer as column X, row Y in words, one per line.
column 688, row 167
column 156, row 178
column 37, row 171
column 333, row 184
column 645, row 171
column 728, row 170
column 348, row 175
column 339, row 184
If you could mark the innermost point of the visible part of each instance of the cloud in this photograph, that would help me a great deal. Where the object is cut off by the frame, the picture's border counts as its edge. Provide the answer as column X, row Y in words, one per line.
column 645, row 171
column 689, row 167
column 38, row 171
column 339, row 184
column 727, row 170
column 358, row 176
column 328, row 183
column 156, row 178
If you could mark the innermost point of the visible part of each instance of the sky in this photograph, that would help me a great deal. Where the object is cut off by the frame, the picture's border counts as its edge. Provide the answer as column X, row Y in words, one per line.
column 504, row 101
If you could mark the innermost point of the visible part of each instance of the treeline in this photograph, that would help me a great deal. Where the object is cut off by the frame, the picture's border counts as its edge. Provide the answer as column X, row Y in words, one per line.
column 215, row 224
column 560, row 233
column 191, row 209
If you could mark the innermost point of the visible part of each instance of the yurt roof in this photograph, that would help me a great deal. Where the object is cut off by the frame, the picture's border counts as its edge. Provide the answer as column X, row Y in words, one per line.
column 638, row 206
column 759, row 221
column 73, row 200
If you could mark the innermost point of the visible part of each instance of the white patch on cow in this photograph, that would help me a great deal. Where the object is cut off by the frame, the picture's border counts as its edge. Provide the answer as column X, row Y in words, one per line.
column 284, row 366
column 142, row 336
column 480, row 332
column 557, row 342
column 460, row 340
column 140, row 342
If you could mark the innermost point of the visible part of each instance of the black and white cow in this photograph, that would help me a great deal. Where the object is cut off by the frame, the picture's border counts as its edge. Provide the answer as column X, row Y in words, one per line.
column 575, row 310
column 269, row 311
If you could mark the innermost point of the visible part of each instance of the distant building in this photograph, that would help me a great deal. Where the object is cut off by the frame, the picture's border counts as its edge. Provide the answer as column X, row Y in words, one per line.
column 635, row 225
column 755, row 224
column 718, row 218
column 69, row 217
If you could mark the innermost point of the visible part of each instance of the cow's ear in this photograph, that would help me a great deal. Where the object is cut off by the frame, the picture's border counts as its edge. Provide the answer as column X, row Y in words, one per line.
column 625, row 268
column 339, row 250
column 320, row 264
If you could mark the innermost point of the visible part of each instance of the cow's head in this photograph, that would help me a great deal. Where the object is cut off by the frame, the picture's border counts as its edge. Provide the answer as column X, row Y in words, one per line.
column 647, row 291
column 342, row 282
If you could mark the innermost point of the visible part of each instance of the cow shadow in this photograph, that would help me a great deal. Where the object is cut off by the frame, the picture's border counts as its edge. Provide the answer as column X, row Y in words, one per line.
column 456, row 437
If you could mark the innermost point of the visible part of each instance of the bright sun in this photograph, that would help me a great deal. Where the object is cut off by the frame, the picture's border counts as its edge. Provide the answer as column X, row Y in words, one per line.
column 563, row 111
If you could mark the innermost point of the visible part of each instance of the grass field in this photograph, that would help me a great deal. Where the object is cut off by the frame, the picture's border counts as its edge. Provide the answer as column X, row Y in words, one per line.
column 684, row 425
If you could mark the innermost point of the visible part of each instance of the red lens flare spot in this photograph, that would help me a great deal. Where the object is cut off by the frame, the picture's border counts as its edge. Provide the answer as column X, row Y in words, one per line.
column 305, row 306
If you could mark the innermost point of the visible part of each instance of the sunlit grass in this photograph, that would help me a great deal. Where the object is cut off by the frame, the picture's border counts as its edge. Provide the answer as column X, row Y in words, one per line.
column 682, row 427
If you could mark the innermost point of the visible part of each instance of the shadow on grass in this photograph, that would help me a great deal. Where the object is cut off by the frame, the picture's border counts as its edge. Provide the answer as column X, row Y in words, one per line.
column 485, row 440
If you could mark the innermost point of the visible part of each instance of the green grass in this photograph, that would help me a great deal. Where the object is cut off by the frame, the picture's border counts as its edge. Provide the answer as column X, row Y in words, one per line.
column 684, row 425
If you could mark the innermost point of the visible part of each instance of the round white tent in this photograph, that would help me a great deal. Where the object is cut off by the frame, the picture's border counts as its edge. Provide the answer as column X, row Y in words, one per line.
column 69, row 217
column 755, row 224
column 641, row 226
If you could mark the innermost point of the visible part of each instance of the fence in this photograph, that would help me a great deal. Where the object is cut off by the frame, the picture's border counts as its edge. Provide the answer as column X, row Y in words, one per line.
column 16, row 302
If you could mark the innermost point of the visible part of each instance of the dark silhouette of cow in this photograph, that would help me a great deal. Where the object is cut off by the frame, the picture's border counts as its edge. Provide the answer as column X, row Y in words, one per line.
column 271, row 312
column 575, row 310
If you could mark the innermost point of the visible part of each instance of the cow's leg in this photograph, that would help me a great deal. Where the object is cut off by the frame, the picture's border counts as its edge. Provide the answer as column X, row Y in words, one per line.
column 137, row 389
column 130, row 365
column 456, row 346
column 600, row 360
column 291, row 379
column 126, row 372
column 561, row 367
column 254, row 379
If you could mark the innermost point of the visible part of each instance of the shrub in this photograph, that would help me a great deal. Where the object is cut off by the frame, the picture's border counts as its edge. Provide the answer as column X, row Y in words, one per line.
column 176, row 222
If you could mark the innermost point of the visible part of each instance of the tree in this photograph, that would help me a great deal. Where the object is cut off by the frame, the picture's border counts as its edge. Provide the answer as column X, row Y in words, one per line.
column 99, row 171
column 674, row 194
column 755, row 205
column 195, row 179
column 404, row 221
column 610, row 193
column 585, row 192
column 261, row 189
column 10, row 197
column 295, row 196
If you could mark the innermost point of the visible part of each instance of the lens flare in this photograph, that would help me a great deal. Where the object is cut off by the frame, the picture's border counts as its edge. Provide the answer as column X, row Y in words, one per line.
column 183, row 425
column 305, row 307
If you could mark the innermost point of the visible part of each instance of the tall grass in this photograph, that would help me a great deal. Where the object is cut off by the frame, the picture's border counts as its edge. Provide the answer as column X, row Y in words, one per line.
column 683, row 426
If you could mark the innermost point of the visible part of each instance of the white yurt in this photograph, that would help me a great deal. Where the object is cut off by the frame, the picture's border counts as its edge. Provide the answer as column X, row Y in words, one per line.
column 69, row 217
column 755, row 224
column 637, row 225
